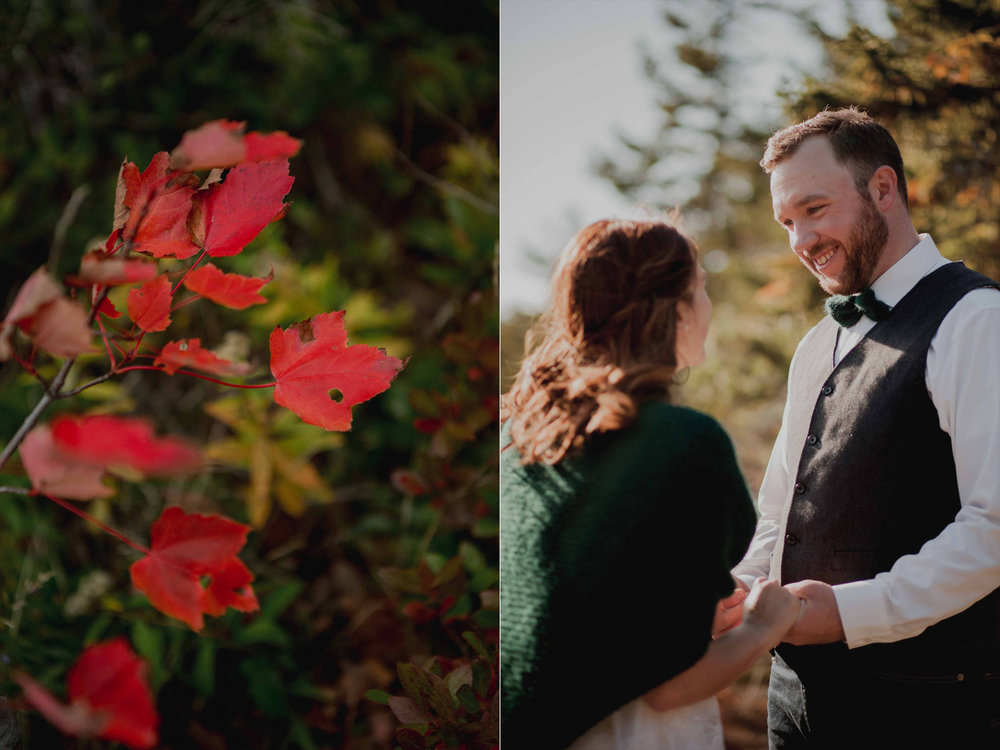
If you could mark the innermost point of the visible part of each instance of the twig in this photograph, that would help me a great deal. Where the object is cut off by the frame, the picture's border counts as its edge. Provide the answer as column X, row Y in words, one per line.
column 36, row 413
column 67, row 217
column 447, row 187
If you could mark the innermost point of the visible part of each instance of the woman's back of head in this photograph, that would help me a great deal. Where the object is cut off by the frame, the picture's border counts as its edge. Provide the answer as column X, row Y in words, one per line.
column 608, row 340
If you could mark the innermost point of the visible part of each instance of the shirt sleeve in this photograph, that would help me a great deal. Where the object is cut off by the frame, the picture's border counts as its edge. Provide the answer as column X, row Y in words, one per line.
column 962, row 564
column 774, row 490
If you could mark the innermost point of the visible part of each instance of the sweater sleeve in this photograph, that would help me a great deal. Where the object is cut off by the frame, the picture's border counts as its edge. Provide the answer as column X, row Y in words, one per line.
column 690, row 520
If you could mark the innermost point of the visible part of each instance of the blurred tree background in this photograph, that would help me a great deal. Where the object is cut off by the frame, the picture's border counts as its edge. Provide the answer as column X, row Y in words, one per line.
column 934, row 83
column 374, row 550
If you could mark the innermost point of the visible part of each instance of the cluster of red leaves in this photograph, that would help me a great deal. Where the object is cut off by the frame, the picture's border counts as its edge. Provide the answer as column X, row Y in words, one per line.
column 166, row 211
column 108, row 695
column 69, row 456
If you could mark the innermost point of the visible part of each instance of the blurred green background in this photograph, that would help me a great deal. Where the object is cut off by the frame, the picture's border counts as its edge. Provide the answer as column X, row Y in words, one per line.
column 372, row 549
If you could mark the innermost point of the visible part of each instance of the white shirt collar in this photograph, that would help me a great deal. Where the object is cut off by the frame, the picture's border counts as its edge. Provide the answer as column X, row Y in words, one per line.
column 904, row 274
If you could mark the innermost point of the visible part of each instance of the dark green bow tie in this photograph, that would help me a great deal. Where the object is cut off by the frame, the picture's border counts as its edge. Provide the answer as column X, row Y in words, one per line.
column 848, row 309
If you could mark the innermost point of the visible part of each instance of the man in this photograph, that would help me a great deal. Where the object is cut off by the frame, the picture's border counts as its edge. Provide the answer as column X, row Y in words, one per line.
column 880, row 506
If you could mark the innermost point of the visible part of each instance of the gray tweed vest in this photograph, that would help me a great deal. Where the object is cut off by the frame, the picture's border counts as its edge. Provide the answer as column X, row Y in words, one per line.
column 875, row 477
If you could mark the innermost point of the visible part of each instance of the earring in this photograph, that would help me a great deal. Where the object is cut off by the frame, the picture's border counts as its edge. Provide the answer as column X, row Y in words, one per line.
column 685, row 326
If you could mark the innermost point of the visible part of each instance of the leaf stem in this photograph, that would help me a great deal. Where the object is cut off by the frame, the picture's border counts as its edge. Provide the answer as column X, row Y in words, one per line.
column 189, row 270
column 199, row 375
column 87, row 517
column 108, row 375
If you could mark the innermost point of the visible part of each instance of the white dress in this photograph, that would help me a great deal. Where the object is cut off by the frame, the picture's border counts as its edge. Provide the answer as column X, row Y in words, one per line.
column 636, row 726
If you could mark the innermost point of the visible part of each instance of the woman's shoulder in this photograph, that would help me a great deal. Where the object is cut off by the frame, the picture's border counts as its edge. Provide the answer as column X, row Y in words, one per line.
column 681, row 430
column 683, row 420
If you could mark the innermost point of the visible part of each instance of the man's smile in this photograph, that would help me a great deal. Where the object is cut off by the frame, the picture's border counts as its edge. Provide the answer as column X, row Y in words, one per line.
column 821, row 260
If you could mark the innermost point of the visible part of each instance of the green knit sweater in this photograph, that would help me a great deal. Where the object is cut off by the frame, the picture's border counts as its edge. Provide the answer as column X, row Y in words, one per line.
column 611, row 564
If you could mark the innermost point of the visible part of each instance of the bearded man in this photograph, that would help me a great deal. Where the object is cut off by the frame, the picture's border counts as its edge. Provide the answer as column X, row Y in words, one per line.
column 880, row 507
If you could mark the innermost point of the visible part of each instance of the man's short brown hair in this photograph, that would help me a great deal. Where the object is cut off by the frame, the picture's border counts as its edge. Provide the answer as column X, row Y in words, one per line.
column 859, row 143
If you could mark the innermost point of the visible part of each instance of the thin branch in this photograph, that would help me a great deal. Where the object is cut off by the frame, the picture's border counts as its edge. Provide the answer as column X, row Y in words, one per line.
column 36, row 413
column 67, row 217
column 447, row 187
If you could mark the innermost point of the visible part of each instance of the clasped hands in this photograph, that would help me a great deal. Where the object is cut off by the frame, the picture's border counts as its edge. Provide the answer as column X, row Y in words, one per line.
column 817, row 621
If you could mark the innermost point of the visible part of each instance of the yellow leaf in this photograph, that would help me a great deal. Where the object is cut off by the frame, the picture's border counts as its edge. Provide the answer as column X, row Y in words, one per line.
column 289, row 497
column 261, row 474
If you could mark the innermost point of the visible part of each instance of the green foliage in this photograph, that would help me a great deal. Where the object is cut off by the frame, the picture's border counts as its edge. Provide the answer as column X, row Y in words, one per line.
column 394, row 218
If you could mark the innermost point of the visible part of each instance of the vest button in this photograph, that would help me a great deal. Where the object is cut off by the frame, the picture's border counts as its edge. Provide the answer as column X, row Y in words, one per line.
column 812, row 440
column 799, row 488
column 791, row 540
column 827, row 390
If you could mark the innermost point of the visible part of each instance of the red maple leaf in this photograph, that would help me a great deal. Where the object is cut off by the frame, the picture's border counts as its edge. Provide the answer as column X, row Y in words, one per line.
column 40, row 310
column 228, row 289
column 108, row 695
column 178, row 354
column 106, row 307
column 185, row 549
column 265, row 146
column 153, row 208
column 310, row 360
column 57, row 473
column 221, row 143
column 149, row 305
column 109, row 441
column 231, row 213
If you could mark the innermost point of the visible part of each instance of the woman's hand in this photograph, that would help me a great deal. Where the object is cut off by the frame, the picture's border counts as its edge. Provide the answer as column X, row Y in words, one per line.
column 729, row 611
column 771, row 608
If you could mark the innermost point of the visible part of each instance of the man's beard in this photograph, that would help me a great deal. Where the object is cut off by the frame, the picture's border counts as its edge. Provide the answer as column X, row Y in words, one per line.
column 866, row 243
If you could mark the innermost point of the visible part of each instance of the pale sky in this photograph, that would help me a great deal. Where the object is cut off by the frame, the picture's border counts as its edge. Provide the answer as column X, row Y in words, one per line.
column 570, row 80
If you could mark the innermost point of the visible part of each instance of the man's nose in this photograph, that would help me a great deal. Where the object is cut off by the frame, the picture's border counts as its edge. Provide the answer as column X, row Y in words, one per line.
column 802, row 238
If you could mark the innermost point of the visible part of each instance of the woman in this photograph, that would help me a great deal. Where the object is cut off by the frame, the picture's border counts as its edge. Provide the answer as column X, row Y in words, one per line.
column 621, row 514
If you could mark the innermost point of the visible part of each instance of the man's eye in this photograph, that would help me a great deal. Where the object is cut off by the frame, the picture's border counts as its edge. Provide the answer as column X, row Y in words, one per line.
column 813, row 210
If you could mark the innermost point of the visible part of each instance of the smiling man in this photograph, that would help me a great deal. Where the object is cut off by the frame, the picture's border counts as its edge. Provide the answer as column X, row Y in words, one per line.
column 880, row 506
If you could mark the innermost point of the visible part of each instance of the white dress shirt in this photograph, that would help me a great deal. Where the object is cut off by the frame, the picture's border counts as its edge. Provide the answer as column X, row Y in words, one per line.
column 962, row 564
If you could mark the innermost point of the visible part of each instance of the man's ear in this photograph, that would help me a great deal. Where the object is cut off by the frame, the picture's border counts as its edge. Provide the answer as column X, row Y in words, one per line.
column 883, row 187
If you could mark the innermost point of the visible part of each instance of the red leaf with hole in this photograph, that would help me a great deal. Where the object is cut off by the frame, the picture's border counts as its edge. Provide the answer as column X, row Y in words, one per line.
column 186, row 548
column 108, row 441
column 56, row 473
column 108, row 695
column 149, row 305
column 188, row 353
column 157, row 203
column 310, row 360
column 40, row 309
column 221, row 143
column 228, row 289
column 233, row 212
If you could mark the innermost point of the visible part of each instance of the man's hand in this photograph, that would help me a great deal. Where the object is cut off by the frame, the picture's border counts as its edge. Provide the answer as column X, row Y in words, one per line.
column 819, row 618
column 729, row 611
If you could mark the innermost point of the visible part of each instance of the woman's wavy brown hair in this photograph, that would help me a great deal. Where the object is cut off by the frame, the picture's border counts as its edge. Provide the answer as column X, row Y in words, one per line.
column 607, row 343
